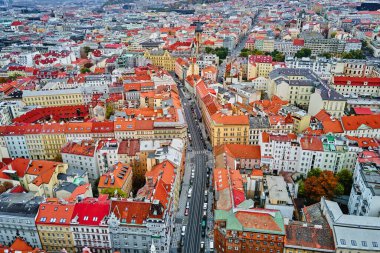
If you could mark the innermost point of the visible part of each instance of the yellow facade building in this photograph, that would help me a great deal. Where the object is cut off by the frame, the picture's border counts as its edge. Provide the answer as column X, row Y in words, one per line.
column 53, row 226
column 161, row 58
column 49, row 98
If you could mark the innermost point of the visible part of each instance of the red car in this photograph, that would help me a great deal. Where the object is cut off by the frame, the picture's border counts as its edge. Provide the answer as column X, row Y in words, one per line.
column 186, row 211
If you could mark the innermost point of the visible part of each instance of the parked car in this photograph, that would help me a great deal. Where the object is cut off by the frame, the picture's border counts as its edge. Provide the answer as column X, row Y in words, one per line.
column 186, row 211
column 183, row 230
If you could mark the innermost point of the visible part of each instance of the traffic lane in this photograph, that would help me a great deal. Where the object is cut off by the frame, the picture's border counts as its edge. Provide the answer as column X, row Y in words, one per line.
column 193, row 233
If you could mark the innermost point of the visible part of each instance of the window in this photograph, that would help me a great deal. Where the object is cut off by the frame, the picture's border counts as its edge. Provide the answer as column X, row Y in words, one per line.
column 374, row 244
column 343, row 242
column 353, row 242
column 364, row 243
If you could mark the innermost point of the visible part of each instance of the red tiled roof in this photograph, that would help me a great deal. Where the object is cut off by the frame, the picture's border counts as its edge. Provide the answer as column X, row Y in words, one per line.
column 356, row 81
column 363, row 111
column 354, row 122
column 55, row 213
column 91, row 211
column 332, row 126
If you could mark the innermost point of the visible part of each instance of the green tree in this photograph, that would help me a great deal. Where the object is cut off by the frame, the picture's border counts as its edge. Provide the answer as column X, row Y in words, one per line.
column 333, row 34
column 14, row 76
column 303, row 52
column 109, row 111
column 86, row 51
column 353, row 54
column 58, row 158
column 316, row 172
column 113, row 192
column 85, row 70
column 277, row 56
column 326, row 55
column 345, row 179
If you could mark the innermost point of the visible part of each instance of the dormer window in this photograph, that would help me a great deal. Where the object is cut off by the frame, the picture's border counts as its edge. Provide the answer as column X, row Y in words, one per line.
column 85, row 218
column 95, row 219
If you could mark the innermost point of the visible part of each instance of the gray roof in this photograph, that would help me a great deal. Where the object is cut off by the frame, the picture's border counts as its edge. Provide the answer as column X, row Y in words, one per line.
column 19, row 204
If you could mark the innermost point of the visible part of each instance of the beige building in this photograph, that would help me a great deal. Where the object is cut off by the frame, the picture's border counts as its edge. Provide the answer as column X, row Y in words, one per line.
column 161, row 58
column 48, row 98
column 53, row 226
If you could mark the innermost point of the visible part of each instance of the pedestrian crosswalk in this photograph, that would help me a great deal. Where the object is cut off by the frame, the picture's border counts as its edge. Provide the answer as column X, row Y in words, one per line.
column 198, row 152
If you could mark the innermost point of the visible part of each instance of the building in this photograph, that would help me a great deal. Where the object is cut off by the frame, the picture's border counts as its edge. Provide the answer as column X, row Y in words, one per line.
column 161, row 58
column 351, row 233
column 319, row 46
column 361, row 125
column 305, row 237
column 89, row 225
column 365, row 192
column 357, row 86
column 47, row 98
column 237, row 157
column 277, row 196
column 304, row 88
column 17, row 218
column 81, row 156
column 261, row 66
column 118, row 177
column 249, row 230
column 20, row 245
column 53, row 226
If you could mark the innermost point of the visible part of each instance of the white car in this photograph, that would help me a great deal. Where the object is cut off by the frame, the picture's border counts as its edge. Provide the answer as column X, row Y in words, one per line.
column 189, row 192
column 183, row 230
column 205, row 206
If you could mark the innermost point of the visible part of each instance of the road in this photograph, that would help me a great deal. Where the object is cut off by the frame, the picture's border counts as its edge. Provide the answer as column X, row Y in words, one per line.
column 193, row 230
column 236, row 51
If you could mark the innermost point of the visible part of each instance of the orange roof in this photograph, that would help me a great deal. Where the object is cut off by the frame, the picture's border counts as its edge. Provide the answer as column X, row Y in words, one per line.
column 19, row 246
column 116, row 178
column 55, row 213
column 220, row 118
column 354, row 122
column 364, row 142
column 239, row 151
column 332, row 126
column 44, row 170
column 322, row 115
column 128, row 211
column 311, row 143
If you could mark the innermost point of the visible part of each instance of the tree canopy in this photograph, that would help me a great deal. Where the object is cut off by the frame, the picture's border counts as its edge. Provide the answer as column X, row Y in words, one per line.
column 318, row 184
column 221, row 52
column 353, row 54
column 114, row 192
column 303, row 52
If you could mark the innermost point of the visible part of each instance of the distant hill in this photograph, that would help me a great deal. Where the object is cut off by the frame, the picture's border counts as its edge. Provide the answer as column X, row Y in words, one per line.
column 111, row 2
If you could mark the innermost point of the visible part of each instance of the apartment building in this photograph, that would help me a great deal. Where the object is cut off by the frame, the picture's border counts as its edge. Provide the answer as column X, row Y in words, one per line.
column 357, row 86
column 17, row 218
column 53, row 225
column 161, row 58
column 365, row 192
column 81, row 156
column 53, row 97
column 319, row 46
column 248, row 230
column 261, row 66
column 89, row 225
column 119, row 176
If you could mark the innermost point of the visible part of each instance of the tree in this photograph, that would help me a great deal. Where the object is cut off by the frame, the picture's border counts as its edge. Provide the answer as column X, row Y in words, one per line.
column 318, row 184
column 303, row 52
column 326, row 55
column 85, row 70
column 316, row 172
column 277, row 56
column 14, row 76
column 333, row 34
column 2, row 189
column 113, row 192
column 8, row 185
column 58, row 158
column 221, row 52
column 86, row 51
column 345, row 179
column 353, row 54
column 246, row 52
column 109, row 111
